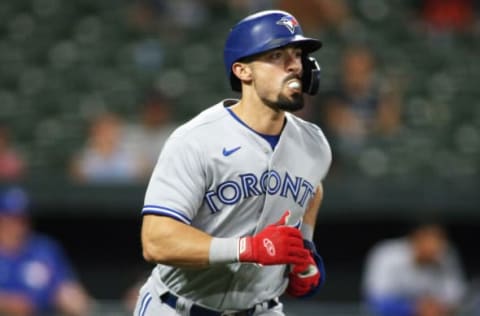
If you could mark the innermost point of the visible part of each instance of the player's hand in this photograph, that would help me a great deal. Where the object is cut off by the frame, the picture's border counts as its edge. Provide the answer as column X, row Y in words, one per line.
column 303, row 278
column 276, row 244
column 306, row 279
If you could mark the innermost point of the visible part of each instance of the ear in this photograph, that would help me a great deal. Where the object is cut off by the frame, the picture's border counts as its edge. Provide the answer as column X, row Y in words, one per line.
column 242, row 71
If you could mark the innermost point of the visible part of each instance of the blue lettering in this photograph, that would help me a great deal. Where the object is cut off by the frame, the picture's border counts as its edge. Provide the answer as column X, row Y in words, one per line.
column 263, row 182
column 209, row 199
column 308, row 192
column 249, row 183
column 288, row 185
column 224, row 197
column 277, row 182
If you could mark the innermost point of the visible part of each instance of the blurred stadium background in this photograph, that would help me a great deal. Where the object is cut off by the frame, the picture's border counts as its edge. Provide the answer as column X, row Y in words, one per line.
column 63, row 61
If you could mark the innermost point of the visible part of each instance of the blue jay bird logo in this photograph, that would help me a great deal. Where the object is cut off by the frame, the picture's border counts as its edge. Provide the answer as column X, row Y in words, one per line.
column 289, row 22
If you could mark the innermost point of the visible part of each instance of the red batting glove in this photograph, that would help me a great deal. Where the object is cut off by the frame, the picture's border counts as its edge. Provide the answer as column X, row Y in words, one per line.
column 303, row 278
column 276, row 244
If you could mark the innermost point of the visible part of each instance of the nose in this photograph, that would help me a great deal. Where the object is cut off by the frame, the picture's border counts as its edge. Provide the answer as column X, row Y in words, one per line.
column 294, row 63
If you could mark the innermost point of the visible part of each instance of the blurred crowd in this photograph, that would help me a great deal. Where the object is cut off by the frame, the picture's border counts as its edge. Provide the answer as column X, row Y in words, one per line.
column 119, row 152
column 361, row 101
column 365, row 105
column 114, row 150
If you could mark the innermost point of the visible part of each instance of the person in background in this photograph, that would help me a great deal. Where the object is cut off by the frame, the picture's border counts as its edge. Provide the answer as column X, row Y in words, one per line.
column 36, row 277
column 445, row 17
column 320, row 16
column 147, row 135
column 12, row 165
column 361, row 105
column 104, row 159
column 416, row 275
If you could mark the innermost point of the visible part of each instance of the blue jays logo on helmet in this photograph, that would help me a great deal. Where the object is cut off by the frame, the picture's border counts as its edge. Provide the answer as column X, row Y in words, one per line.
column 261, row 32
column 289, row 22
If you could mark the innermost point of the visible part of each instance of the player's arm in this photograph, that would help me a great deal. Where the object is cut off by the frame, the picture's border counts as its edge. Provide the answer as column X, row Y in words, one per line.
column 72, row 299
column 311, row 213
column 168, row 241
column 171, row 242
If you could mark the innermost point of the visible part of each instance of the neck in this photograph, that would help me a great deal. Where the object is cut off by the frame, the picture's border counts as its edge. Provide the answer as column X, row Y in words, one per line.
column 259, row 117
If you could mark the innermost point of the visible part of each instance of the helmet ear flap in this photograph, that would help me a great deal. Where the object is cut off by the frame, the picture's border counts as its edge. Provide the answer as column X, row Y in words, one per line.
column 311, row 75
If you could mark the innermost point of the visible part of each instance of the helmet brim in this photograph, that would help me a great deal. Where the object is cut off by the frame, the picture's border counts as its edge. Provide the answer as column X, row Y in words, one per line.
column 308, row 45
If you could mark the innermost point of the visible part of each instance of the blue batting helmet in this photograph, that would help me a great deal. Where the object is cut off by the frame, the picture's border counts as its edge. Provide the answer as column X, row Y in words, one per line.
column 260, row 32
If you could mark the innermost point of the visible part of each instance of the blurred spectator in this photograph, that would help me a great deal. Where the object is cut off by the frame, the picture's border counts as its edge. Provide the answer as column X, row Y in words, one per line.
column 35, row 275
column 104, row 159
column 416, row 275
column 443, row 17
column 144, row 15
column 360, row 105
column 167, row 16
column 12, row 165
column 147, row 136
column 130, row 296
column 318, row 15
column 241, row 7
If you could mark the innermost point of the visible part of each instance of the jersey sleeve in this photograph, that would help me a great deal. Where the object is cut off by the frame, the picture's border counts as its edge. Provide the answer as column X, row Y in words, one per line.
column 326, row 153
column 177, row 185
column 454, row 285
column 380, row 277
column 318, row 147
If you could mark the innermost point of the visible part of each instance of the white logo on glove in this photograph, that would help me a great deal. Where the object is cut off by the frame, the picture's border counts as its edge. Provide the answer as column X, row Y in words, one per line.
column 242, row 245
column 268, row 244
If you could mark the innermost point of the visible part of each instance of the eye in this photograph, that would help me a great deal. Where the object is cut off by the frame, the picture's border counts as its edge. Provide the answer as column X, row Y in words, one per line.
column 276, row 54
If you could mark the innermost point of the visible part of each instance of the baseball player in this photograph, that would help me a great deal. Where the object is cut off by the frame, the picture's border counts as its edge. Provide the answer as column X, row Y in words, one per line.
column 419, row 274
column 36, row 276
column 232, row 202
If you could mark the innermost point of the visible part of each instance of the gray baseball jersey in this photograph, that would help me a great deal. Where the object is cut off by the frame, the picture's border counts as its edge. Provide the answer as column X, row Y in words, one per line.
column 220, row 176
column 390, row 271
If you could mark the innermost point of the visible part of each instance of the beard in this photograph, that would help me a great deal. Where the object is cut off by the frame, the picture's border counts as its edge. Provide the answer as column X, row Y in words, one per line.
column 284, row 103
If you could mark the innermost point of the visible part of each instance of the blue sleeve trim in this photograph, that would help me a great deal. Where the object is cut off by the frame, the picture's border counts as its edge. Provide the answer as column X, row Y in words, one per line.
column 165, row 211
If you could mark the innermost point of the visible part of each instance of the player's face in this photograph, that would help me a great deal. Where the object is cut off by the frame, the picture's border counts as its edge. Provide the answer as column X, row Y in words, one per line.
column 429, row 244
column 13, row 231
column 277, row 78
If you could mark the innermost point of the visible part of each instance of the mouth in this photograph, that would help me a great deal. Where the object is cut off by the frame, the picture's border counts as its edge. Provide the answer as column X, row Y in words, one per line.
column 295, row 85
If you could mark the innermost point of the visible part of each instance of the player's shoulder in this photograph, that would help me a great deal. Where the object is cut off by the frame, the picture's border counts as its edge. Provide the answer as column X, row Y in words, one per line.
column 204, row 122
column 392, row 249
column 309, row 131
column 303, row 126
column 41, row 243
